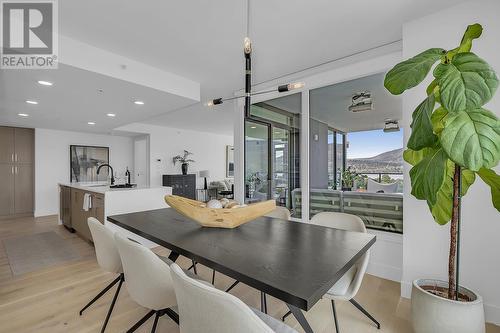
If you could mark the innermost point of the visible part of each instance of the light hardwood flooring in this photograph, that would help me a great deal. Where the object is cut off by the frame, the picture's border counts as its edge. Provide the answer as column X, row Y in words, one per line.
column 48, row 300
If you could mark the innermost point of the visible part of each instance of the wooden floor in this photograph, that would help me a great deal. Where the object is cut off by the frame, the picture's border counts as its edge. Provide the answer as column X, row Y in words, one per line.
column 48, row 300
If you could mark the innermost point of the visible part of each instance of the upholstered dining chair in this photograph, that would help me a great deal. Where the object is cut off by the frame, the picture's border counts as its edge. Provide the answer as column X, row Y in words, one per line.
column 280, row 213
column 203, row 308
column 108, row 259
column 148, row 281
column 348, row 286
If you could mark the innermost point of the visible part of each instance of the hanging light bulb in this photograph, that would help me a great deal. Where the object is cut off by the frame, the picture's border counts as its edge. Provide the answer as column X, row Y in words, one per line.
column 291, row 86
column 247, row 45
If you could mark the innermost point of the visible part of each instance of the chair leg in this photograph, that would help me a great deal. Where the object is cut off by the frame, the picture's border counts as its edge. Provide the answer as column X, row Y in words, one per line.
column 213, row 276
column 115, row 281
column 172, row 314
column 263, row 302
column 194, row 268
column 232, row 286
column 153, row 330
column 141, row 321
column 337, row 329
column 366, row 313
column 286, row 315
column 122, row 278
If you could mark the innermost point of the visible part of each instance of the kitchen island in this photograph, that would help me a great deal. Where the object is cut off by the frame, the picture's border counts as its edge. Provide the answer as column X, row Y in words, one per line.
column 79, row 201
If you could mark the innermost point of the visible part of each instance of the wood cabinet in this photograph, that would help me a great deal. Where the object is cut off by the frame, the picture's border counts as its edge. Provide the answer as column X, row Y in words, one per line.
column 79, row 216
column 182, row 185
column 16, row 171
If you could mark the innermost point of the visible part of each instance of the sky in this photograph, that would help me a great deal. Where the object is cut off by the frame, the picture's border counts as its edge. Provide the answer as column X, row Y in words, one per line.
column 371, row 143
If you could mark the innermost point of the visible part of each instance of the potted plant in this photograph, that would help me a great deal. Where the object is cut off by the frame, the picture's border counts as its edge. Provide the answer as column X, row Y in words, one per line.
column 184, row 160
column 453, row 140
column 348, row 177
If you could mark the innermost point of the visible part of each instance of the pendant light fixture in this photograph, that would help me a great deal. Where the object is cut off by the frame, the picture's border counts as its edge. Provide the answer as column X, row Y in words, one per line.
column 247, row 51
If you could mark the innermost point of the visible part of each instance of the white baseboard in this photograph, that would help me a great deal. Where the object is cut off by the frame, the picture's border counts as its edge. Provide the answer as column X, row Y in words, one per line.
column 388, row 272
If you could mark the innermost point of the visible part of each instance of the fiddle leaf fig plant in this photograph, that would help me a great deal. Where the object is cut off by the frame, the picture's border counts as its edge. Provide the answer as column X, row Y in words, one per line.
column 453, row 137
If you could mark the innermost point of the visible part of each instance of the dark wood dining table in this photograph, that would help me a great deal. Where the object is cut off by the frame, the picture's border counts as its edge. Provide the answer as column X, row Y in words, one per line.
column 292, row 261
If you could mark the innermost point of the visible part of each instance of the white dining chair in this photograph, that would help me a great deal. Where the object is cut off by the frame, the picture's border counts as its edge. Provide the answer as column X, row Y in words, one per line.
column 203, row 308
column 280, row 213
column 148, row 280
column 348, row 286
column 108, row 259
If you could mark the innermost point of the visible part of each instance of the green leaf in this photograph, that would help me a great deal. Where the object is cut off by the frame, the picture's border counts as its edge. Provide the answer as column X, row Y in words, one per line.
column 493, row 180
column 422, row 134
column 472, row 138
column 441, row 210
column 413, row 157
column 473, row 31
column 437, row 120
column 427, row 176
column 468, row 82
column 411, row 72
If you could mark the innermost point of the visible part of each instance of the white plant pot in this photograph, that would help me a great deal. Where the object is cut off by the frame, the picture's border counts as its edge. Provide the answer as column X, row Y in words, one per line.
column 431, row 313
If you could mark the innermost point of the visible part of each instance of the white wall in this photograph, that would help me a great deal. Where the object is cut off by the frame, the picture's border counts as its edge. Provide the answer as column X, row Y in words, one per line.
column 209, row 151
column 52, row 162
column 425, row 244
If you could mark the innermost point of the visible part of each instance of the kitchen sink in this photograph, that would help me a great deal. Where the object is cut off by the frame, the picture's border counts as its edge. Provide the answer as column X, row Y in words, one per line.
column 123, row 186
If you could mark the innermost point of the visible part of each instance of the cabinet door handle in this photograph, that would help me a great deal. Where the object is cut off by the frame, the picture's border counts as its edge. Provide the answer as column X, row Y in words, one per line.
column 16, row 170
column 12, row 157
column 12, row 170
column 16, row 157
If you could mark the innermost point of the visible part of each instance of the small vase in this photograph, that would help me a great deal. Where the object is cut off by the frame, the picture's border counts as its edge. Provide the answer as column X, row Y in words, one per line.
column 184, row 168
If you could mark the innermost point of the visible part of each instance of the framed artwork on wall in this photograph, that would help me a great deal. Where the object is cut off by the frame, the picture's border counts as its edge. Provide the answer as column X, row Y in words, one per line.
column 229, row 161
column 84, row 161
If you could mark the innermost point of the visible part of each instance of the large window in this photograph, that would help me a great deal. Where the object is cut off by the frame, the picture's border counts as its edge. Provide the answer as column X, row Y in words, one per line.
column 354, row 166
column 377, row 156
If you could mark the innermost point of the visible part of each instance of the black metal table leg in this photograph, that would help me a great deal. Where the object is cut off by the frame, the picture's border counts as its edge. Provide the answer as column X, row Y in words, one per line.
column 173, row 256
column 297, row 313
column 232, row 286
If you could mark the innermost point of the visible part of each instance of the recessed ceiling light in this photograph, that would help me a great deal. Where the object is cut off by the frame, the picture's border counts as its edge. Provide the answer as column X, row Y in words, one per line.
column 139, row 102
column 253, row 126
column 110, row 114
column 45, row 83
column 32, row 102
column 91, row 123
column 23, row 114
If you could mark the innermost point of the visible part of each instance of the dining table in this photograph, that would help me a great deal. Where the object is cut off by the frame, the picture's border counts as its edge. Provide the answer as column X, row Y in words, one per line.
column 295, row 262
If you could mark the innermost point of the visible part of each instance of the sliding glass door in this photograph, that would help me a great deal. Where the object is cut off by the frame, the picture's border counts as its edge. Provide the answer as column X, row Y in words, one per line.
column 272, row 156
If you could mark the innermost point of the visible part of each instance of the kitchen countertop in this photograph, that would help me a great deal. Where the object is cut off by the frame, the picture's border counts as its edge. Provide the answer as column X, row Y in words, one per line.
column 100, row 187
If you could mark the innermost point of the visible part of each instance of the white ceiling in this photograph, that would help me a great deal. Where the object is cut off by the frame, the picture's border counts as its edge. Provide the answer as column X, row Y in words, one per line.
column 74, row 100
column 330, row 105
column 202, row 41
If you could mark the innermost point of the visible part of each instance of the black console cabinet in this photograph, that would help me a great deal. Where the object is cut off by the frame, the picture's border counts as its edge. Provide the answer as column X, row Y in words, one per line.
column 182, row 185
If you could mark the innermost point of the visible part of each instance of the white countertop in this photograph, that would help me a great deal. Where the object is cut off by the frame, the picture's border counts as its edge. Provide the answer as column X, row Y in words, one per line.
column 100, row 187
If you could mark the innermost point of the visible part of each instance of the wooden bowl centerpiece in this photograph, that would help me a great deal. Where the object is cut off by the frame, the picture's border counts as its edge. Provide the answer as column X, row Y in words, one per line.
column 219, row 217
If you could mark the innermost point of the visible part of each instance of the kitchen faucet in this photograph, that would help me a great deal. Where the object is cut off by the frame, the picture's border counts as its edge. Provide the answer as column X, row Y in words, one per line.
column 110, row 168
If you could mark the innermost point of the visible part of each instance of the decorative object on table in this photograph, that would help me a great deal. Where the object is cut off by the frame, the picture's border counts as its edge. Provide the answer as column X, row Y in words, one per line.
column 84, row 161
column 447, row 148
column 183, row 185
column 214, row 204
column 205, row 174
column 184, row 160
column 229, row 161
column 219, row 217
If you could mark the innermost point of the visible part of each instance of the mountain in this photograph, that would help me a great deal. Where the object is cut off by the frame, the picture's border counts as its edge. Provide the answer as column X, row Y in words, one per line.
column 389, row 161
